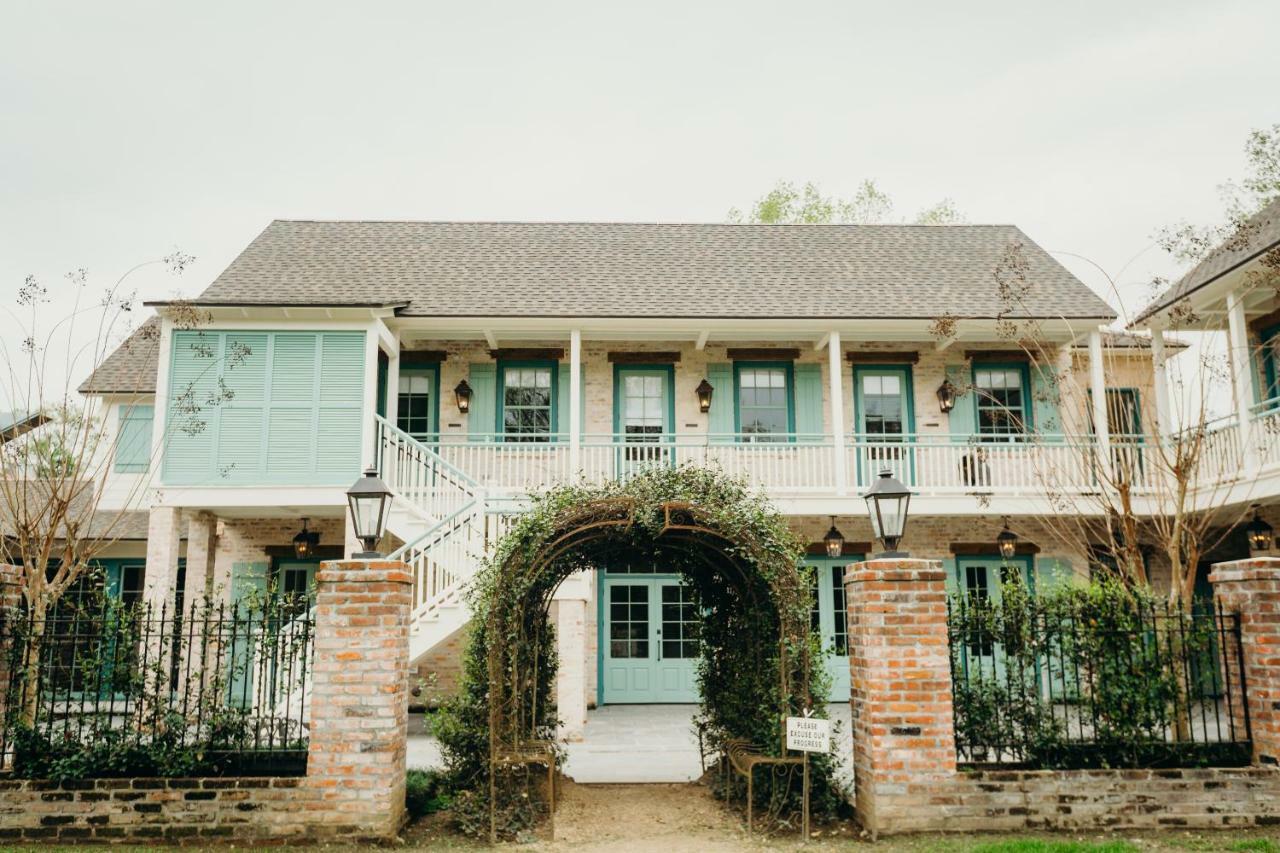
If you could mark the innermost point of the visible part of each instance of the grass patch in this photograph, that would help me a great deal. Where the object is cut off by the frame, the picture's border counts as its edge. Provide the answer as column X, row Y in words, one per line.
column 1042, row 846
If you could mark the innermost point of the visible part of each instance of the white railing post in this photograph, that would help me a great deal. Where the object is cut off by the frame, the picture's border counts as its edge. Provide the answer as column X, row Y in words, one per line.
column 1164, row 415
column 1241, row 379
column 1098, row 389
column 835, row 377
column 575, row 402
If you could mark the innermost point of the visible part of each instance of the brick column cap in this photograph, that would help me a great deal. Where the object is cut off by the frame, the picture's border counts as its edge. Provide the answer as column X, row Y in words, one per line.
column 364, row 571
column 1252, row 569
column 895, row 569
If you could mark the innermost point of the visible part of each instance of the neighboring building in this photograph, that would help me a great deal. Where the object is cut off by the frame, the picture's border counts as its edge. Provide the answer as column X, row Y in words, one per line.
column 477, row 362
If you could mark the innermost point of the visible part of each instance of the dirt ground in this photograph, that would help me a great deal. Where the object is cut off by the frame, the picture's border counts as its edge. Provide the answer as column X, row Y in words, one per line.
column 685, row 818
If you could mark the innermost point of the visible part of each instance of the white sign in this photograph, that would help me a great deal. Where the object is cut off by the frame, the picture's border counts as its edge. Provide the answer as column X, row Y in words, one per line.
column 808, row 734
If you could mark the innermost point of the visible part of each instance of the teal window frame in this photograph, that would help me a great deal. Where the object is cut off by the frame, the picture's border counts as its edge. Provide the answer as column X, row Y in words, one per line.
column 789, row 368
column 908, row 390
column 620, row 371
column 1028, row 420
column 433, row 415
column 500, row 429
column 125, row 416
column 1271, row 391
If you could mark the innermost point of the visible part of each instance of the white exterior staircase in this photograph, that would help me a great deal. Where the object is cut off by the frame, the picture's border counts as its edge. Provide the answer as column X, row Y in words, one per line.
column 439, row 512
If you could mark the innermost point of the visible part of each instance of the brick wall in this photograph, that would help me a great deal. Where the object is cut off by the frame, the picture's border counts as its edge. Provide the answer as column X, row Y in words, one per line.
column 354, row 787
column 209, row 809
column 1202, row 798
column 905, row 773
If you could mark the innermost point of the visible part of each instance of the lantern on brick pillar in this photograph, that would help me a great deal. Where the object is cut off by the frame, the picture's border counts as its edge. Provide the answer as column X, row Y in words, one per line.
column 368, row 498
column 887, row 502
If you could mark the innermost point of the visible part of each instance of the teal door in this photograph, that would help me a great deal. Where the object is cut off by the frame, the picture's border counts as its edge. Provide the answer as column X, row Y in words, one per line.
column 884, row 421
column 979, row 581
column 650, row 640
column 830, row 617
column 643, row 416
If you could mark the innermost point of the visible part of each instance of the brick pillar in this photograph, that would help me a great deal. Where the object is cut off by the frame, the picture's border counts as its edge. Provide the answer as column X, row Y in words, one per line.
column 900, row 678
column 10, row 601
column 1251, row 588
column 201, row 543
column 164, row 533
column 360, row 696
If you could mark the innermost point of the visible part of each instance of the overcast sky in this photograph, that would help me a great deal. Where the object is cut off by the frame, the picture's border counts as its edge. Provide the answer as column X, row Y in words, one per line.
column 130, row 129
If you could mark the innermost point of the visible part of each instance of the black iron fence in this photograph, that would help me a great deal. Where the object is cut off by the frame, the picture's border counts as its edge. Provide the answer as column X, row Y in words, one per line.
column 101, row 688
column 1096, row 679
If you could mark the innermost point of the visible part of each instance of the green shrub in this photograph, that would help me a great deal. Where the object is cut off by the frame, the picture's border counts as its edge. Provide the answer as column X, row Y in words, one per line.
column 425, row 792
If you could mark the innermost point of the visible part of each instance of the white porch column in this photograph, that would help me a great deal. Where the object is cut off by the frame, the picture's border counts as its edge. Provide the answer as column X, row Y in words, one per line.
column 201, row 542
column 1241, row 379
column 1164, row 415
column 369, row 446
column 1098, row 391
column 575, row 402
column 164, row 539
column 571, row 601
column 835, row 379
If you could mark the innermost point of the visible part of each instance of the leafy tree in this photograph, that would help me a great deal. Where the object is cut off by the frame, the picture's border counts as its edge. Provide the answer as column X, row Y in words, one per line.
column 786, row 204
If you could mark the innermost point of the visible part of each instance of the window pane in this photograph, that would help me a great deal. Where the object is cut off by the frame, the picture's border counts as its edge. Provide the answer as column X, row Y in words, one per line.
column 763, row 401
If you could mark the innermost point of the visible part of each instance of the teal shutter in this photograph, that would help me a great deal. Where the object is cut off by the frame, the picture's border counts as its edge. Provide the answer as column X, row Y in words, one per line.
column 483, row 417
column 720, row 422
column 1052, row 574
column 964, row 417
column 952, row 580
column 562, row 402
column 133, row 446
column 808, row 396
column 1045, row 396
column 265, row 407
column 341, row 408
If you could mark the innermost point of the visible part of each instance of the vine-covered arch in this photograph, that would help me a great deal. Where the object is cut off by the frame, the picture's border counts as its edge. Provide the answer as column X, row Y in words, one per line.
column 760, row 659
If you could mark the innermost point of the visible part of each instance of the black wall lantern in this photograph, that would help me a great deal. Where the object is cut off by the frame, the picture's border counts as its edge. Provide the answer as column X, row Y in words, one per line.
column 1261, row 535
column 887, row 502
column 946, row 396
column 834, row 540
column 304, row 544
column 704, row 390
column 1007, row 541
column 462, row 393
column 368, row 498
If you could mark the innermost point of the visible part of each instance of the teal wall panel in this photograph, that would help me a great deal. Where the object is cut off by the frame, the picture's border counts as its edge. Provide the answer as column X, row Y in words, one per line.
column 482, row 421
column 721, row 421
column 256, row 408
column 808, row 396
column 133, row 446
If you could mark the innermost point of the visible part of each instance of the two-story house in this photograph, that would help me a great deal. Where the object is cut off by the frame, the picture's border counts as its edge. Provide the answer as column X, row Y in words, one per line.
column 474, row 363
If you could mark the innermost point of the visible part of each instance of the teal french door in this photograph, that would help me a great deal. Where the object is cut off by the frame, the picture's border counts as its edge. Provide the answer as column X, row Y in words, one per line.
column 979, row 580
column 884, row 419
column 643, row 416
column 830, row 616
column 649, row 644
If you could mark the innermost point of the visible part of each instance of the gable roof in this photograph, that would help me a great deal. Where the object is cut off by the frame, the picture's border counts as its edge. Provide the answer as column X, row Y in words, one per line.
column 532, row 269
column 131, row 367
column 1259, row 234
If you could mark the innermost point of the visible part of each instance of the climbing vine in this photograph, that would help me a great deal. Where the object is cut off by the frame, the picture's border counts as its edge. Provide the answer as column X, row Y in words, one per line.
column 760, row 658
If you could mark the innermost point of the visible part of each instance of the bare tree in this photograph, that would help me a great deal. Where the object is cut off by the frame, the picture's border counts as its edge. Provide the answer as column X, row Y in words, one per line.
column 52, row 479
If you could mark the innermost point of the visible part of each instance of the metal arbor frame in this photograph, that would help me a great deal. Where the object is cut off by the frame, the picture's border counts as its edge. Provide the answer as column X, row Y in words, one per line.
column 527, row 578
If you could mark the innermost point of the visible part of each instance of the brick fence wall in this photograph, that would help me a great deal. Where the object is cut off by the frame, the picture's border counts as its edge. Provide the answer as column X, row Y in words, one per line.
column 905, row 773
column 354, row 787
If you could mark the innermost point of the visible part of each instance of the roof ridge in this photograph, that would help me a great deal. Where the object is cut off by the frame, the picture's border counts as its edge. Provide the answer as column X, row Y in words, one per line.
column 642, row 222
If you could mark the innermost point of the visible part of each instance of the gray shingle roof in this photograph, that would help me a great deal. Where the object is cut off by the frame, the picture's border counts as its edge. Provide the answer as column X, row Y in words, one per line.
column 1260, row 234
column 647, row 270
column 131, row 368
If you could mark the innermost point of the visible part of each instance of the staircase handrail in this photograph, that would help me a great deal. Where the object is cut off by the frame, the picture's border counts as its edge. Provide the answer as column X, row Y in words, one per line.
column 468, row 482
column 399, row 553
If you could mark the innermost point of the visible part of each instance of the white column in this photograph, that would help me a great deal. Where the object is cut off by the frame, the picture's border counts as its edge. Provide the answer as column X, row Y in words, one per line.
column 571, row 601
column 1098, row 391
column 1241, row 379
column 835, row 379
column 201, row 543
column 369, row 444
column 575, row 402
column 1164, row 415
column 159, row 580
